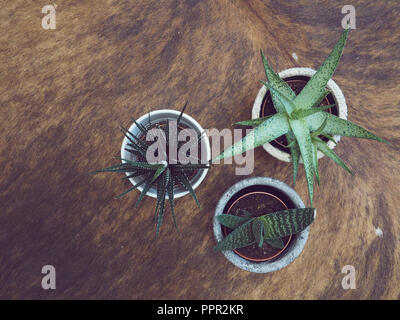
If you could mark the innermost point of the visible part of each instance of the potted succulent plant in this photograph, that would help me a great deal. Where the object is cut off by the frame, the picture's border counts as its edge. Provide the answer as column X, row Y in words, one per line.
column 169, row 178
column 300, row 118
column 261, row 224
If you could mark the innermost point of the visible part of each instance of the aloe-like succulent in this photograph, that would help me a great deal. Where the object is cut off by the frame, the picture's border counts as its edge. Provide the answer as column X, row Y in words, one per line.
column 165, row 175
column 301, row 120
column 270, row 228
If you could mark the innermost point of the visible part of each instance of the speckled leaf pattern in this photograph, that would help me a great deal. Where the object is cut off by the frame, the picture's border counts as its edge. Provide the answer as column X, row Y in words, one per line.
column 161, row 207
column 278, row 83
column 315, row 161
column 162, row 176
column 241, row 237
column 302, row 134
column 321, row 145
column 275, row 225
column 252, row 122
column 286, row 222
column 313, row 90
column 230, row 221
column 285, row 101
column 269, row 130
column 336, row 125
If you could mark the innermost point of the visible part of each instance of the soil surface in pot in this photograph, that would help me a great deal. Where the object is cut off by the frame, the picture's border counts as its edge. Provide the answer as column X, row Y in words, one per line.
column 190, row 173
column 297, row 83
column 258, row 203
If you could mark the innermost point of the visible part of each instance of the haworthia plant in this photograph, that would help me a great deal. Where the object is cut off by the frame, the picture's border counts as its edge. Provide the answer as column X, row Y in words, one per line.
column 270, row 227
column 301, row 120
column 164, row 176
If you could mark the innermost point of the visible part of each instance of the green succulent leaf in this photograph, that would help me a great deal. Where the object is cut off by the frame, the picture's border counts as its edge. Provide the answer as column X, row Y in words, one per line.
column 258, row 232
column 253, row 122
column 321, row 145
column 241, row 237
column 318, row 132
column 287, row 102
column 295, row 153
column 303, row 137
column 276, row 243
column 315, row 87
column 336, row 125
column 170, row 190
column 315, row 162
column 182, row 178
column 302, row 113
column 231, row 221
column 275, row 225
column 283, row 223
column 278, row 83
column 163, row 185
column 131, row 189
column 267, row 131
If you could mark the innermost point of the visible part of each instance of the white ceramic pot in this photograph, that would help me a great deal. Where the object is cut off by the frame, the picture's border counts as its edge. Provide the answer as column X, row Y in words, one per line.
column 157, row 116
column 307, row 72
column 295, row 247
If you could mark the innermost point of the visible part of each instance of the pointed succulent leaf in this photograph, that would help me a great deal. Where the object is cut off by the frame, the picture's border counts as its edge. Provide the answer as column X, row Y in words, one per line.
column 321, row 145
column 315, row 161
column 317, row 132
column 315, row 87
column 336, row 125
column 276, row 243
column 283, row 223
column 170, row 190
column 267, row 131
column 295, row 153
column 181, row 114
column 131, row 189
column 150, row 180
column 141, row 164
column 303, row 113
column 117, row 168
column 286, row 101
column 241, row 237
column 253, row 122
column 302, row 134
column 329, row 137
column 182, row 178
column 161, row 211
column 278, row 83
column 231, row 221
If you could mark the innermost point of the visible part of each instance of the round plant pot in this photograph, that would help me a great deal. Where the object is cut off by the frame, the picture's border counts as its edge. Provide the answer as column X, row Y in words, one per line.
column 186, row 120
column 294, row 244
column 292, row 74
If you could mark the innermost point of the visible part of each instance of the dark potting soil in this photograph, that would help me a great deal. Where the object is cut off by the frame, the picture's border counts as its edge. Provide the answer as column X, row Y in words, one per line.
column 258, row 203
column 297, row 83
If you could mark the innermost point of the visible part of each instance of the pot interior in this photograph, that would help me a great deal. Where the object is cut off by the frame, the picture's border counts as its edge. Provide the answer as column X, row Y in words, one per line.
column 259, row 200
column 160, row 119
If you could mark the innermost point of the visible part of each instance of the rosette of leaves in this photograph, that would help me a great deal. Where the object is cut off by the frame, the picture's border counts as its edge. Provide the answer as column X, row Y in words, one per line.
column 301, row 120
column 165, row 175
column 271, row 228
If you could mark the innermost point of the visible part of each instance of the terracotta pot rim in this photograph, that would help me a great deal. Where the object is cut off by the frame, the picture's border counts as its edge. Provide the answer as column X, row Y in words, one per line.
column 279, row 251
